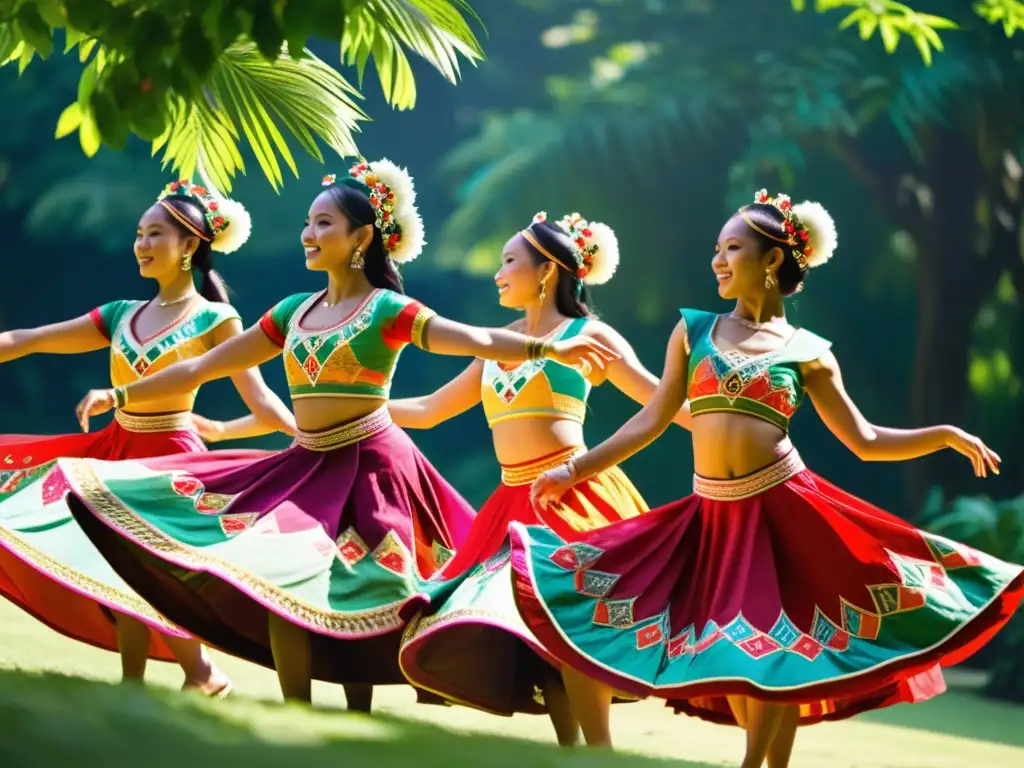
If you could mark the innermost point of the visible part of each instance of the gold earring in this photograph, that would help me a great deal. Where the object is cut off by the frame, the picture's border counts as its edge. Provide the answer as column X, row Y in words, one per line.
column 186, row 262
column 769, row 279
column 357, row 261
column 543, row 289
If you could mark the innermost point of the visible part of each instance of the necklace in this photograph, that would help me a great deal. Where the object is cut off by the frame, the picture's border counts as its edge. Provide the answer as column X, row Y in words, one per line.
column 178, row 300
column 755, row 326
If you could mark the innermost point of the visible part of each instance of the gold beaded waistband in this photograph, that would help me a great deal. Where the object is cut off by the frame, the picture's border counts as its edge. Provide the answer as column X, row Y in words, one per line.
column 349, row 433
column 164, row 422
column 524, row 474
column 750, row 485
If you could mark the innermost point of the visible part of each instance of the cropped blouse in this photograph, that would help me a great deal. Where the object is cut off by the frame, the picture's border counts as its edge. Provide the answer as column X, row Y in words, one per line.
column 768, row 386
column 355, row 357
column 536, row 387
column 132, row 357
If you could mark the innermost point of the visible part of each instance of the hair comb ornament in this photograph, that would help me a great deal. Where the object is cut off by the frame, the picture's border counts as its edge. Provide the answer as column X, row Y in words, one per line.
column 228, row 219
column 809, row 229
column 393, row 197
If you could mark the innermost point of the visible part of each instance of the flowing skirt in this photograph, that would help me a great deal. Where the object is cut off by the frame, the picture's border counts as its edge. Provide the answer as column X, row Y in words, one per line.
column 48, row 567
column 331, row 534
column 465, row 640
column 778, row 585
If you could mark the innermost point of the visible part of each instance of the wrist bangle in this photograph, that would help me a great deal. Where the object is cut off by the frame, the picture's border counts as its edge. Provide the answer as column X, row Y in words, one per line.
column 571, row 466
column 533, row 349
column 120, row 397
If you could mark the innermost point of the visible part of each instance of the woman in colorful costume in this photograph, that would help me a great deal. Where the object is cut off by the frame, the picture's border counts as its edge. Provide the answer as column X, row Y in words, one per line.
column 48, row 567
column 768, row 598
column 468, row 643
column 309, row 553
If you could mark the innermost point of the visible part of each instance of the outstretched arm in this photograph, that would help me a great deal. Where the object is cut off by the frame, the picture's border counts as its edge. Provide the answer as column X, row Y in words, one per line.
column 628, row 374
column 824, row 383
column 457, row 396
column 247, row 350
column 70, row 337
column 634, row 435
column 447, row 337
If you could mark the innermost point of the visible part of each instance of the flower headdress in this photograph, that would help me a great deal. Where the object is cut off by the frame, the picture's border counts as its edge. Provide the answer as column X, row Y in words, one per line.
column 810, row 229
column 393, row 198
column 595, row 247
column 228, row 219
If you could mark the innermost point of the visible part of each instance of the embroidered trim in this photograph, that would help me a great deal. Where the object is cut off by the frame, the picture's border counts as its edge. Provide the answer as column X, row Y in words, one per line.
column 524, row 474
column 96, row 590
column 145, row 424
column 750, row 485
column 346, row 434
column 107, row 506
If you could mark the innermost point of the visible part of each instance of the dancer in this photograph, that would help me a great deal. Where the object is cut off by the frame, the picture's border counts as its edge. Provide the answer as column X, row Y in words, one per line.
column 769, row 597
column 468, row 643
column 48, row 567
column 306, row 555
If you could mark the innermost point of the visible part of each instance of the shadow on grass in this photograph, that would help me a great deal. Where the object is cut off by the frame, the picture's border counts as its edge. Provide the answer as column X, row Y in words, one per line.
column 961, row 713
column 53, row 720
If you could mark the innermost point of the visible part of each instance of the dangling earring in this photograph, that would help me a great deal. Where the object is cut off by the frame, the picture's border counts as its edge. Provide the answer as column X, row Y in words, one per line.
column 543, row 289
column 357, row 261
column 769, row 279
column 186, row 262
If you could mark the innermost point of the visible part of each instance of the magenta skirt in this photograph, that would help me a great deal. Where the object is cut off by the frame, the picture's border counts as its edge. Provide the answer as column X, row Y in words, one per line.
column 332, row 535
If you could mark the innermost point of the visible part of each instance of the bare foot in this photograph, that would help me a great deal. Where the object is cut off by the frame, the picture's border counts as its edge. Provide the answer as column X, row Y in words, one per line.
column 217, row 685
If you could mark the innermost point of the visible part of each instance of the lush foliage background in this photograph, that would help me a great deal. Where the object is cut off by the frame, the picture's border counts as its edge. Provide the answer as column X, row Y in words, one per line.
column 656, row 117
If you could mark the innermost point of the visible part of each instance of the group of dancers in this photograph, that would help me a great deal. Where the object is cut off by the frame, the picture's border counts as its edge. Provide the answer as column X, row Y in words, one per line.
column 768, row 598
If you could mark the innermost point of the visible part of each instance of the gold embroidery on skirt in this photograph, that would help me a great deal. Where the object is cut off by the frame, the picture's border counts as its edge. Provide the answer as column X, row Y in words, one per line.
column 750, row 485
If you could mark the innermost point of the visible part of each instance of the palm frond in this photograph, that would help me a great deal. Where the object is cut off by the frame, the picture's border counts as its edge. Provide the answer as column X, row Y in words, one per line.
column 305, row 97
column 435, row 30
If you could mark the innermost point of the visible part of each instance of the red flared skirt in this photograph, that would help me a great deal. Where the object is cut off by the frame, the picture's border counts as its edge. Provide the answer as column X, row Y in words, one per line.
column 779, row 586
column 59, row 592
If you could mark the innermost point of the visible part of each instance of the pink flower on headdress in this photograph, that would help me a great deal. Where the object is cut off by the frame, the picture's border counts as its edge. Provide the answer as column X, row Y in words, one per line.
column 540, row 217
column 213, row 206
column 586, row 232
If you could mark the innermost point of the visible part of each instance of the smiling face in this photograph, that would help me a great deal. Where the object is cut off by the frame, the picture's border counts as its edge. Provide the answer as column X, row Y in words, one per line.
column 520, row 276
column 159, row 244
column 328, row 236
column 739, row 263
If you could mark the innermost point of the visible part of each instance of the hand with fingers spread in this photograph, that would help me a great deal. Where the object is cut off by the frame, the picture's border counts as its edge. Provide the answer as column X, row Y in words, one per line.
column 95, row 402
column 552, row 485
column 983, row 458
column 582, row 352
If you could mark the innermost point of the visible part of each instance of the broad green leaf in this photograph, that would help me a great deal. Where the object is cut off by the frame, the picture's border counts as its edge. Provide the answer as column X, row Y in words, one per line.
column 33, row 30
column 89, row 136
column 69, row 120
column 890, row 35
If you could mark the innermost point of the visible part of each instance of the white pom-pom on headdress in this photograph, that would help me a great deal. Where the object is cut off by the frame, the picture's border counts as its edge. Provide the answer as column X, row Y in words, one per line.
column 393, row 197
column 596, row 246
column 822, row 237
column 236, row 229
column 605, row 256
column 411, row 239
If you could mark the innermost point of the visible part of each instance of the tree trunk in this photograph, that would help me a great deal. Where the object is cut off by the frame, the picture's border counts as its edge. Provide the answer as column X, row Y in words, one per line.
column 955, row 275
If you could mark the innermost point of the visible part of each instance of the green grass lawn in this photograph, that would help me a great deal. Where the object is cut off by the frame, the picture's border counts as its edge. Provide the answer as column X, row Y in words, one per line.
column 59, row 707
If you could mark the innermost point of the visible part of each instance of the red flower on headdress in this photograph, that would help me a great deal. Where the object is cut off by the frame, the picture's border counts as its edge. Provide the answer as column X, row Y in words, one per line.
column 808, row 251
column 785, row 205
column 197, row 190
column 586, row 232
column 581, row 272
column 213, row 206
column 327, row 180
column 763, row 197
column 385, row 216
column 804, row 235
column 393, row 241
column 790, row 228
column 374, row 201
column 173, row 186
column 580, row 242
column 218, row 221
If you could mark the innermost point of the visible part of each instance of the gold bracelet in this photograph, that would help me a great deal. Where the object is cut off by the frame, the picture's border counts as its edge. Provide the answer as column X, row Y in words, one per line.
column 533, row 347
